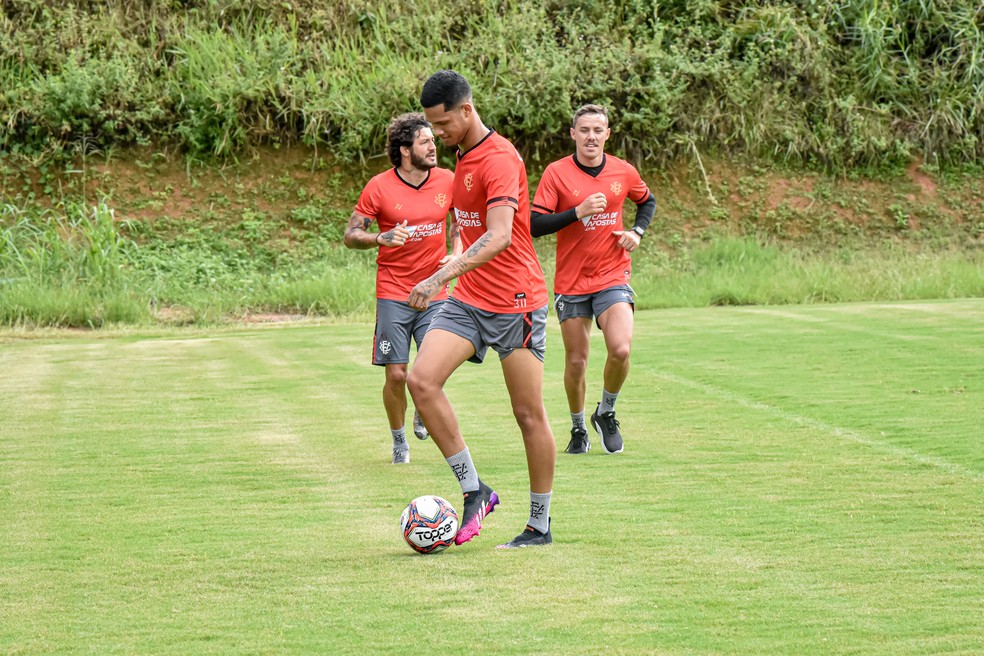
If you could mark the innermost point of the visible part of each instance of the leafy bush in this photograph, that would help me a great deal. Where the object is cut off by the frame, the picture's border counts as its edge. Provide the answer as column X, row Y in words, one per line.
column 835, row 85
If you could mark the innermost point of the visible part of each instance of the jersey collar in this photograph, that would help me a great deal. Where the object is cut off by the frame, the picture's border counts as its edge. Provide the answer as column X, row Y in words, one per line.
column 461, row 155
column 593, row 171
column 417, row 187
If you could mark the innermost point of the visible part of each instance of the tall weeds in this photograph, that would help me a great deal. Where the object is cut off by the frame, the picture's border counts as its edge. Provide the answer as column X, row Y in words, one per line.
column 65, row 267
column 832, row 84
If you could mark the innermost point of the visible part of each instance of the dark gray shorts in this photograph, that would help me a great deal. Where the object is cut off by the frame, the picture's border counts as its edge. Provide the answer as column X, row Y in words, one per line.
column 503, row 332
column 396, row 323
column 592, row 305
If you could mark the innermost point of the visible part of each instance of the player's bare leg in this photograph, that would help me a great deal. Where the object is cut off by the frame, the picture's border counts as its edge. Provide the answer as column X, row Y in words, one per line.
column 616, row 323
column 523, row 373
column 395, row 395
column 395, row 403
column 576, row 333
column 440, row 354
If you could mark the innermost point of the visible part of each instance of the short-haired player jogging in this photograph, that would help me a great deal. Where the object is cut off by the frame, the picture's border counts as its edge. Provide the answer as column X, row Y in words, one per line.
column 410, row 203
column 499, row 301
column 580, row 198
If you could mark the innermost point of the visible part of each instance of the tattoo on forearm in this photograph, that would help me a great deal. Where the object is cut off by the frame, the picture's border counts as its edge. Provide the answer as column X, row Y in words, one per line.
column 357, row 223
column 430, row 286
column 479, row 244
column 454, row 230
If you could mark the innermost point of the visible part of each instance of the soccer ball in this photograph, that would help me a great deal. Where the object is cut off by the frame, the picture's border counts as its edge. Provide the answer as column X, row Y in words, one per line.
column 429, row 524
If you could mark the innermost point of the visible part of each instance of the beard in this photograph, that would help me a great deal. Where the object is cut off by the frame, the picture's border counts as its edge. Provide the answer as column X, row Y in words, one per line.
column 420, row 163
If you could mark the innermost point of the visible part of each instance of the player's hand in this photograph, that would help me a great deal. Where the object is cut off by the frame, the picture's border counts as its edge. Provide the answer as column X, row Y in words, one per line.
column 593, row 204
column 421, row 294
column 627, row 239
column 396, row 237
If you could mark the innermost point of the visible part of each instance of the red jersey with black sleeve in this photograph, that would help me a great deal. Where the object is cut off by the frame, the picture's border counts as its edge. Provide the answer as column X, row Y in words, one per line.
column 589, row 258
column 389, row 200
column 490, row 175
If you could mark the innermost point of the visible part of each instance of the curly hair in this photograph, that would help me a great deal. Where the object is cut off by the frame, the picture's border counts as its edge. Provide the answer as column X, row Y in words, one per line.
column 401, row 132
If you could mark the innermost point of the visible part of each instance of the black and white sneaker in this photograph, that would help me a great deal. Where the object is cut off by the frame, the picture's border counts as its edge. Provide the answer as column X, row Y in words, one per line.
column 418, row 427
column 530, row 537
column 579, row 441
column 607, row 426
column 401, row 456
column 477, row 505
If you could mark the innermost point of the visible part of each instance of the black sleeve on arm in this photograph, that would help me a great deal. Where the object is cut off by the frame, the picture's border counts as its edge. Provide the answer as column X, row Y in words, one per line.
column 645, row 212
column 545, row 224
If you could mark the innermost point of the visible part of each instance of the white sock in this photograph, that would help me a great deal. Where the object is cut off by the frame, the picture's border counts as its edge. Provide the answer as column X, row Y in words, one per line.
column 463, row 467
column 540, row 511
column 577, row 420
column 400, row 439
column 608, row 400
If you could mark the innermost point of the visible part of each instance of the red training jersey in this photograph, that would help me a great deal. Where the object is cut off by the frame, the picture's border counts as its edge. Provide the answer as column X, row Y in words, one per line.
column 389, row 200
column 589, row 258
column 490, row 175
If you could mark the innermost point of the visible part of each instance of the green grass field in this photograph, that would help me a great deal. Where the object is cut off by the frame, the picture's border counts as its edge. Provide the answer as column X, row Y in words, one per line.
column 796, row 480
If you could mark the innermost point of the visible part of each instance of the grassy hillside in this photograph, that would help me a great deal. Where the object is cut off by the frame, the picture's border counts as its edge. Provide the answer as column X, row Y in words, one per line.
column 833, row 85
column 150, row 238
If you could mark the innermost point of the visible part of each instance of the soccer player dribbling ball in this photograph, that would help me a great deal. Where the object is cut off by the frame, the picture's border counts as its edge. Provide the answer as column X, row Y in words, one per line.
column 410, row 202
column 580, row 198
column 499, row 301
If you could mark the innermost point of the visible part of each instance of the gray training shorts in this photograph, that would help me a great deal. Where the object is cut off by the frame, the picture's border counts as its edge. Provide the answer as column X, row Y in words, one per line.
column 396, row 322
column 503, row 332
column 592, row 305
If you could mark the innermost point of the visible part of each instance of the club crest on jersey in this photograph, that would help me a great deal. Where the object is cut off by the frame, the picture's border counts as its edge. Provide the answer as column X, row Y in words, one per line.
column 441, row 199
column 616, row 187
column 469, row 181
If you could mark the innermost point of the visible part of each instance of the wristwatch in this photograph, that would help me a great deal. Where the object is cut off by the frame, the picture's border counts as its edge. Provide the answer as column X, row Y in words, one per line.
column 639, row 231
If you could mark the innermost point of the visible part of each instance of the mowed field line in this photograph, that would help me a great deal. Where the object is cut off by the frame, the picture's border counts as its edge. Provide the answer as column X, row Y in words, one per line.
column 201, row 485
column 822, row 426
column 822, row 595
column 838, row 318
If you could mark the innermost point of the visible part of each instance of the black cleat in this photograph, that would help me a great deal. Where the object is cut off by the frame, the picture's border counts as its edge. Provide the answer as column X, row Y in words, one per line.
column 579, row 441
column 477, row 505
column 607, row 426
column 530, row 537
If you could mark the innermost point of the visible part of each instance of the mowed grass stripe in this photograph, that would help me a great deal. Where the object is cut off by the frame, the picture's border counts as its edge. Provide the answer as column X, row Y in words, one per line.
column 216, row 510
column 839, row 501
column 926, row 398
column 223, row 512
column 356, row 433
column 823, row 427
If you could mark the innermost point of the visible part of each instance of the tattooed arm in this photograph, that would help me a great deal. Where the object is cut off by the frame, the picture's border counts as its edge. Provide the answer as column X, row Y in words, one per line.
column 357, row 236
column 497, row 237
column 455, row 231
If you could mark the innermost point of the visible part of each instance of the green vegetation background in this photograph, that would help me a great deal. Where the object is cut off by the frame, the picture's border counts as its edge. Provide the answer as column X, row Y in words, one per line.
column 187, row 161
column 837, row 84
